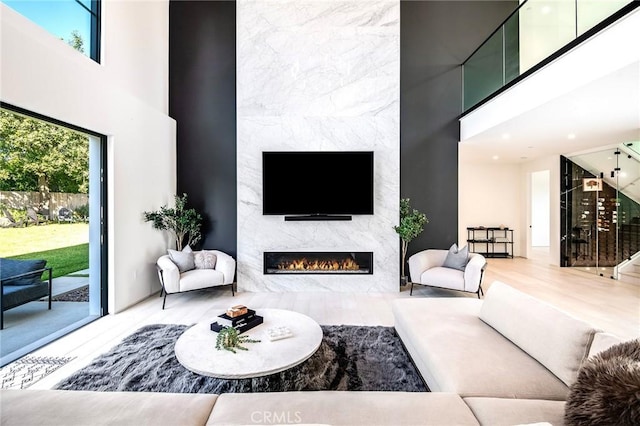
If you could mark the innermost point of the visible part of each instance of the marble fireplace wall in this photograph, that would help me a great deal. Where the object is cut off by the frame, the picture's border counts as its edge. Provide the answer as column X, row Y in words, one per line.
column 318, row 75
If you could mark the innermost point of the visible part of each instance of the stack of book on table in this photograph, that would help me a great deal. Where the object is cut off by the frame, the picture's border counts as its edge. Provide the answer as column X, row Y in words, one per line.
column 239, row 317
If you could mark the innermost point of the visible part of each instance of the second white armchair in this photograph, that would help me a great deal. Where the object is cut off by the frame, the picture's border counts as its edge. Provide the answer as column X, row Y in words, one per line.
column 427, row 268
column 174, row 280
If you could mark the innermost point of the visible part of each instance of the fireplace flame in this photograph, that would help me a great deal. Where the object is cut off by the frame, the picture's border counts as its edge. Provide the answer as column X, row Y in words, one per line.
column 304, row 264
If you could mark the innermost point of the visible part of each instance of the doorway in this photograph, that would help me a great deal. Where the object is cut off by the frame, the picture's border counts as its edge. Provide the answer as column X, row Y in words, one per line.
column 540, row 213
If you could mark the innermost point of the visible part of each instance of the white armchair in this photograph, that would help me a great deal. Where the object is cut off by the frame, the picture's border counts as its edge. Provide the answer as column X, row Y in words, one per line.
column 173, row 281
column 426, row 268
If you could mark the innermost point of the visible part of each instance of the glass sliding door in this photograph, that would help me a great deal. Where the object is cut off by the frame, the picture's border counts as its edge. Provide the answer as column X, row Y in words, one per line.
column 52, row 195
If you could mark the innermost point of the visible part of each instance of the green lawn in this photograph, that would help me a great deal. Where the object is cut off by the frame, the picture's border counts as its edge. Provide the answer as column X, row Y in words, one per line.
column 63, row 260
column 15, row 241
column 64, row 246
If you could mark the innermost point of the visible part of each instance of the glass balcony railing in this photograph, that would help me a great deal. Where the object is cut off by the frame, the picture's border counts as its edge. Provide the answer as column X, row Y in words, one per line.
column 534, row 32
column 634, row 147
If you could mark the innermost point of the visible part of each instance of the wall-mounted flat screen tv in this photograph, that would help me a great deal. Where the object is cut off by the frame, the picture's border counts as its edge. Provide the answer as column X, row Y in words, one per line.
column 317, row 183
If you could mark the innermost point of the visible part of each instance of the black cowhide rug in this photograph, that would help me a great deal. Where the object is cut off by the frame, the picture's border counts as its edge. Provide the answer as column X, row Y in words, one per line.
column 354, row 358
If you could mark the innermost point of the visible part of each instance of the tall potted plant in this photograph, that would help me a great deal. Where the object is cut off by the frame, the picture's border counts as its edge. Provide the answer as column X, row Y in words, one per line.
column 411, row 225
column 182, row 223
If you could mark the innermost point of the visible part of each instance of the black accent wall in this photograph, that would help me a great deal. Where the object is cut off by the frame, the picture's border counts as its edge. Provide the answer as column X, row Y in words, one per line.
column 435, row 38
column 202, row 100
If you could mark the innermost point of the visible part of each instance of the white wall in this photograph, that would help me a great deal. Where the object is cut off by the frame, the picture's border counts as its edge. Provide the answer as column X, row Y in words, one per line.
column 489, row 194
column 325, row 76
column 493, row 194
column 42, row 74
column 135, row 48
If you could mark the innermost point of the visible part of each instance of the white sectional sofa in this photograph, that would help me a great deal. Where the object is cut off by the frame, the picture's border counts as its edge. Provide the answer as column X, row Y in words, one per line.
column 511, row 357
column 53, row 407
column 505, row 360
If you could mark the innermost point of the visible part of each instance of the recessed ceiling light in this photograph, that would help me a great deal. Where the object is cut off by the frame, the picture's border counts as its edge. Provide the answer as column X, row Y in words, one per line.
column 622, row 174
column 506, row 136
column 495, row 157
column 571, row 136
column 546, row 9
column 609, row 158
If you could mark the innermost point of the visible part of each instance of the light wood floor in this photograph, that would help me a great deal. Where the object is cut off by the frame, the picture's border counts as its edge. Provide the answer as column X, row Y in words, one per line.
column 607, row 304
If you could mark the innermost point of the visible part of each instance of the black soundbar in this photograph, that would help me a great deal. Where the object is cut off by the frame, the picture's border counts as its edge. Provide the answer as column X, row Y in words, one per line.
column 316, row 217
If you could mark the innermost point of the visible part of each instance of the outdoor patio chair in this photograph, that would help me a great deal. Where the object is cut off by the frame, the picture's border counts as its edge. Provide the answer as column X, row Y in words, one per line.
column 32, row 216
column 10, row 218
column 21, row 282
column 65, row 215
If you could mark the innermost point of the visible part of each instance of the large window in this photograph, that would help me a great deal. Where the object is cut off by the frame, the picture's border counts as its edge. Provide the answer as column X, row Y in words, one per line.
column 77, row 22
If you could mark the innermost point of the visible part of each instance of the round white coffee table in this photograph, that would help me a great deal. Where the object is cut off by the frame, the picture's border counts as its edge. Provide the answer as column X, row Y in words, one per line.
column 196, row 348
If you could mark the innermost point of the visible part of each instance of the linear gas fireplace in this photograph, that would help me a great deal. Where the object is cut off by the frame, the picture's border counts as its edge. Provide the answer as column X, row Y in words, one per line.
column 318, row 262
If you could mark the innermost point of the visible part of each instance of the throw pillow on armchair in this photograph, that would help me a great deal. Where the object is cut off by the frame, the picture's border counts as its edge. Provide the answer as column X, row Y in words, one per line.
column 184, row 259
column 457, row 258
column 205, row 259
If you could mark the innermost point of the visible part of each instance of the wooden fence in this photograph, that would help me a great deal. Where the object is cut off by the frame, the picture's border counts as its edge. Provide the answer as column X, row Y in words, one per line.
column 21, row 200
